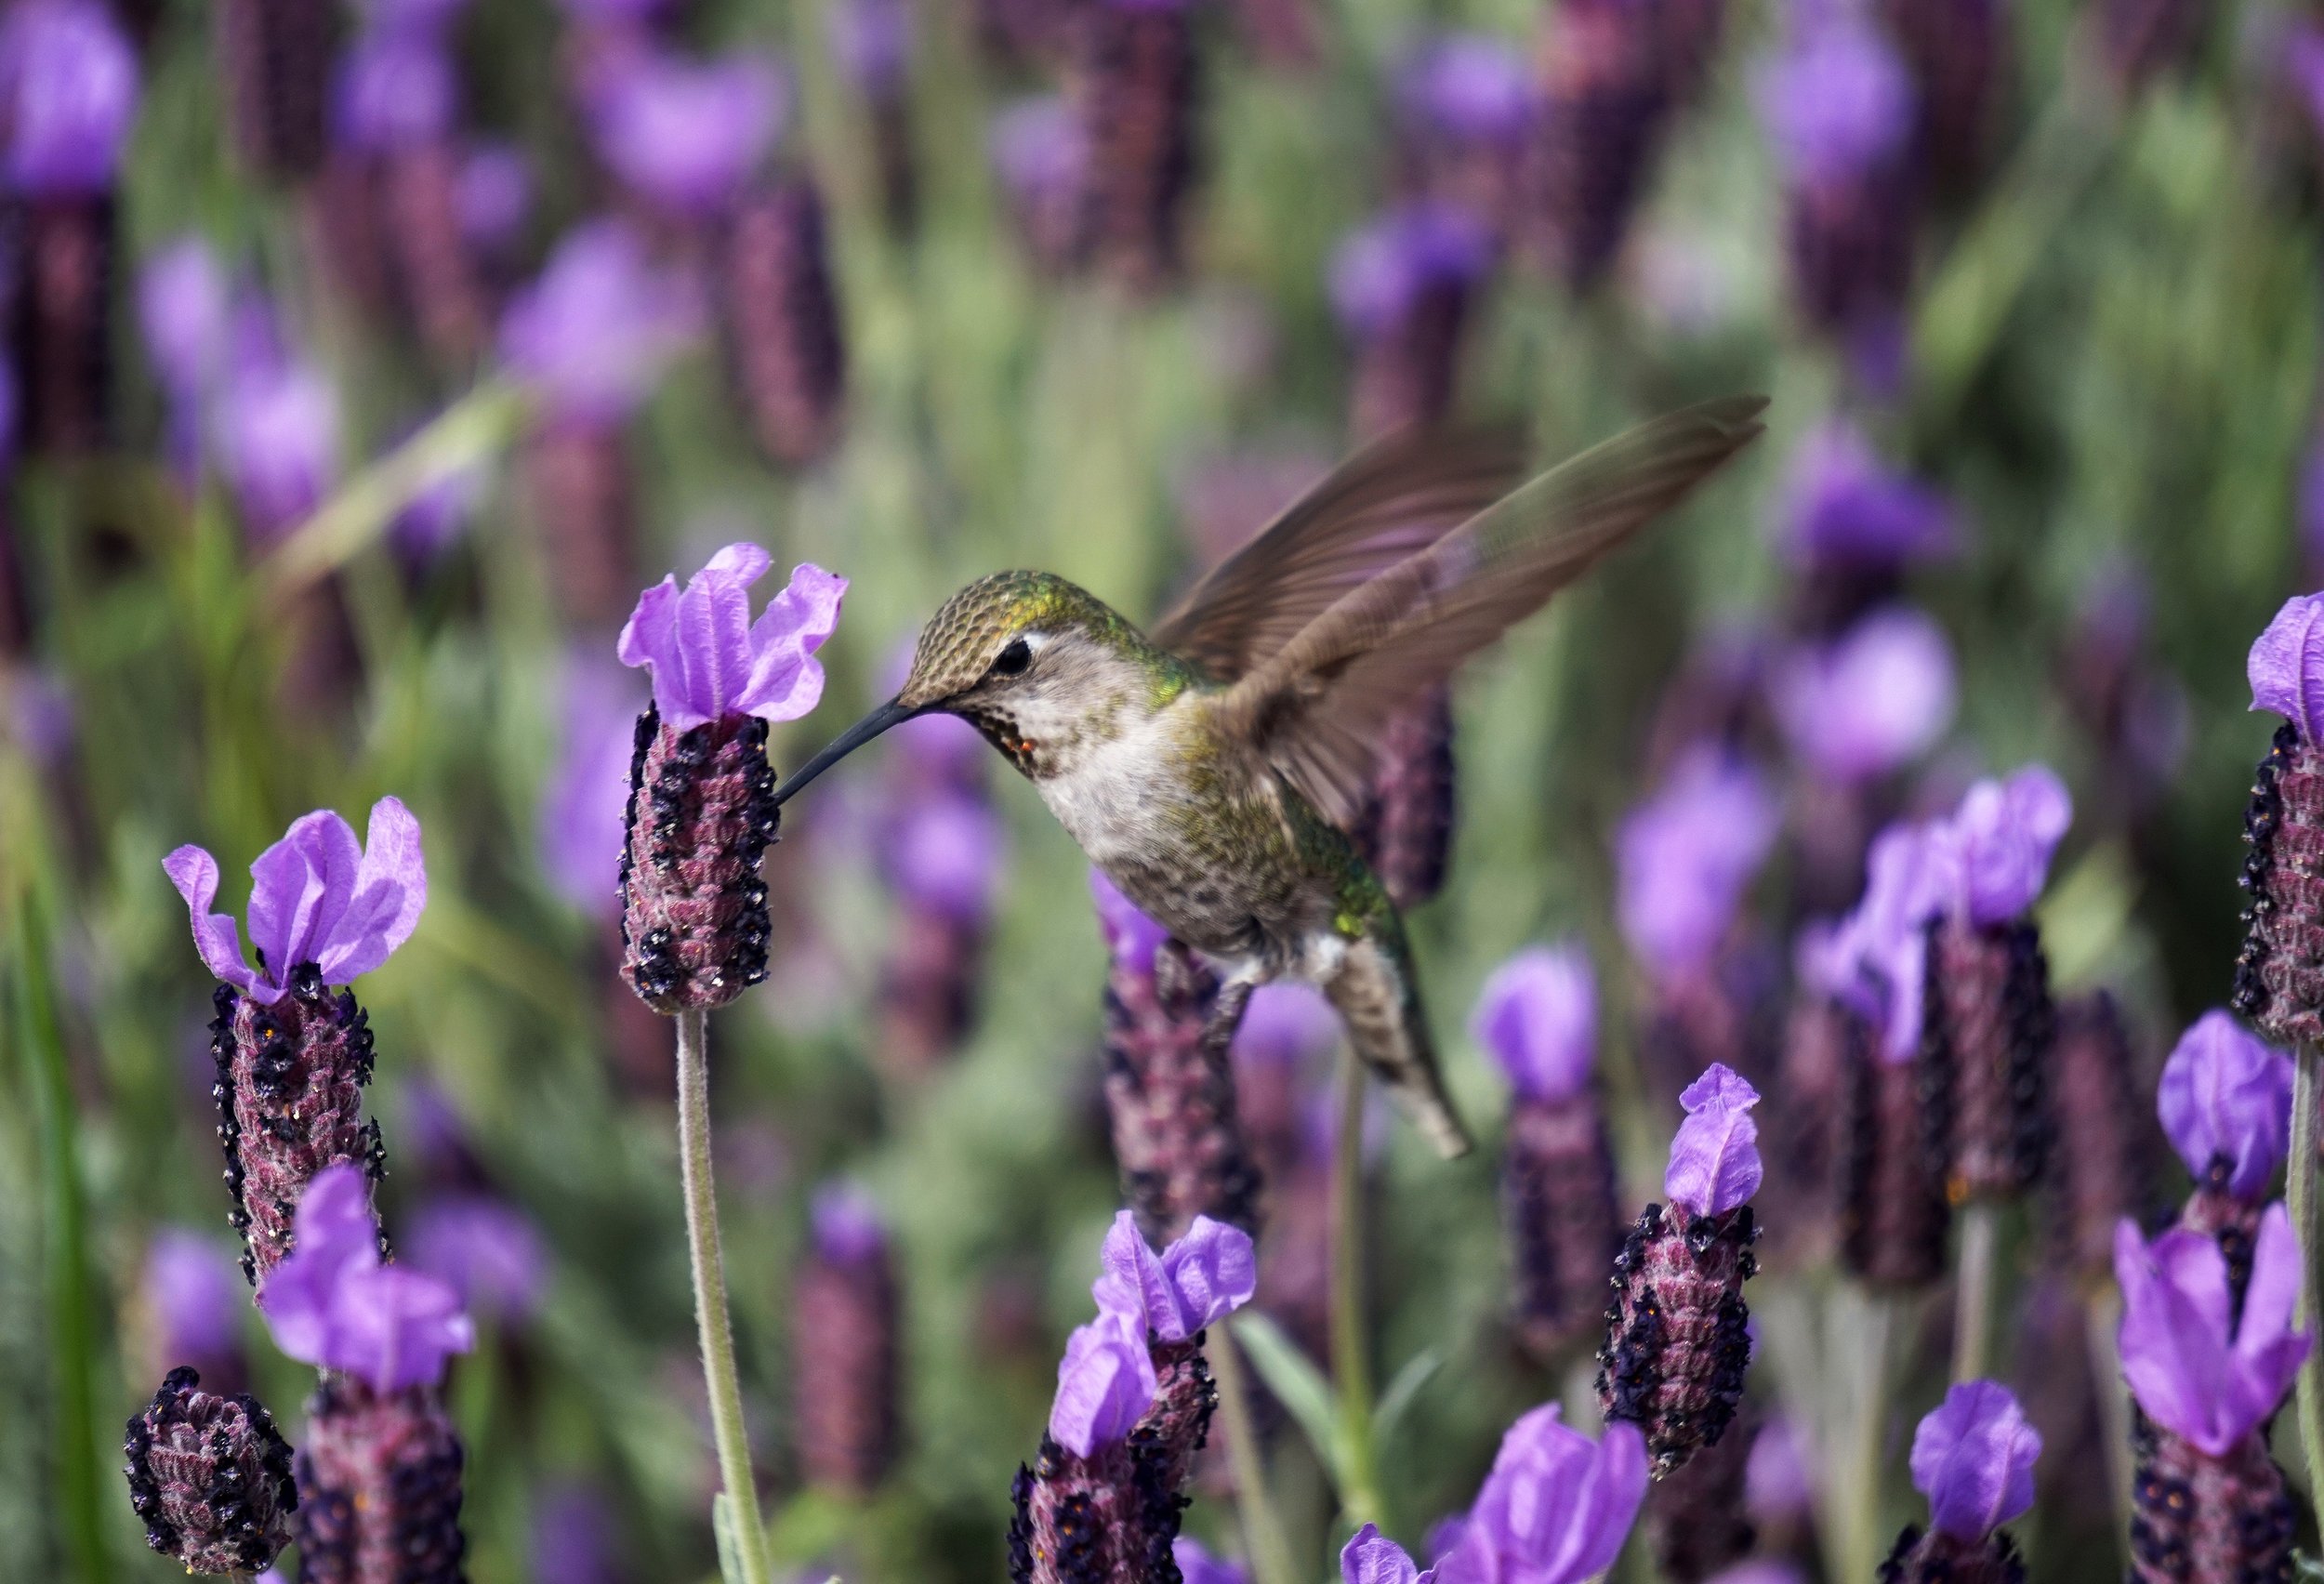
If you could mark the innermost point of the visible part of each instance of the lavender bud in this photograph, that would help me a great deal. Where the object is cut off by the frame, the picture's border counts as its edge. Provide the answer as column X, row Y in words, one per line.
column 844, row 1339
column 1406, row 829
column 1557, row 1196
column 210, row 1476
column 1823, row 1043
column 2099, row 1161
column 1893, row 1210
column 275, row 59
column 1676, row 1339
column 1133, row 88
column 2279, row 975
column 1606, row 101
column 62, row 330
column 700, row 815
column 1985, row 1055
column 379, row 1484
column 783, row 321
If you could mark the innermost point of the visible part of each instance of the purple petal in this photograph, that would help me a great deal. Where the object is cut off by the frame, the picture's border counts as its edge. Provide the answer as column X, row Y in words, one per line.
column 291, row 889
column 591, row 335
column 182, row 310
column 395, row 89
column 1372, row 1558
column 1468, row 87
column 1133, row 1283
column 2286, row 668
column 1556, row 1507
column 395, row 1327
column 391, row 889
column 1131, row 936
column 1714, row 1159
column 1974, row 1457
column 1538, row 1017
column 1686, row 857
column 2001, row 842
column 1105, row 1384
column 1838, row 101
column 1196, row 1566
column 846, row 1223
column 2268, row 1351
column 1845, row 507
column 685, row 136
column 194, row 873
column 785, row 681
column 2225, row 1098
column 945, row 852
column 649, row 639
column 1869, row 701
column 586, row 799
column 2174, row 1337
column 334, row 1234
column 1285, row 1023
column 69, row 81
column 192, row 1294
column 1213, row 1272
column 487, row 1249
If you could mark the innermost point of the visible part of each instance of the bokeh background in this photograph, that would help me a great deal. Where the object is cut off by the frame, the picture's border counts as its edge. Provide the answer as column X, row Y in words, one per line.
column 366, row 360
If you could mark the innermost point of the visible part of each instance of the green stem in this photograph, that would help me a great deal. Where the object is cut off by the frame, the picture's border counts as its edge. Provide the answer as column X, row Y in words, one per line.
column 709, row 1274
column 1972, row 1291
column 1860, row 1473
column 2102, row 1317
column 1351, row 1358
column 1262, row 1530
column 2302, row 1192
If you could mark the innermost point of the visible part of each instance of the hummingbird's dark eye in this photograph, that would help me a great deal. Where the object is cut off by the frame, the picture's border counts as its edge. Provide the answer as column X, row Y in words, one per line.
column 1014, row 660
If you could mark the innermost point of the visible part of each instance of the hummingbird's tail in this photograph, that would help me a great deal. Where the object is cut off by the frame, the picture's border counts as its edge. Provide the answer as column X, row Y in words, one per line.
column 1377, row 999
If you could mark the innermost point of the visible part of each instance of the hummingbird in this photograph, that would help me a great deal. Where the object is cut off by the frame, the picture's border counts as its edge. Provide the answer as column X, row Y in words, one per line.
column 1211, row 764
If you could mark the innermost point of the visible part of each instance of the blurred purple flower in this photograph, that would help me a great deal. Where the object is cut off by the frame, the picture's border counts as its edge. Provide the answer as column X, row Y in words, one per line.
column 316, row 896
column 2226, row 1102
column 1685, row 856
column 488, row 1250
column 332, row 1303
column 572, row 1536
column 2286, row 667
column 412, row 15
column 2203, row 1381
column 36, row 712
column 190, row 1289
column 871, row 42
column 1196, row 1566
column 1837, row 100
column 1973, row 1457
column 436, row 516
column 1556, row 1507
column 1537, row 1017
column 1779, row 1481
column 277, row 426
column 583, row 807
column 494, row 196
column 1842, row 506
column 1198, row 1281
column 685, row 136
column 946, row 852
column 846, row 1223
column 1038, row 148
column 394, row 90
column 709, row 660
column 1876, row 959
column 1381, row 272
column 1863, row 704
column 1714, row 1159
column 182, row 307
column 1105, row 1383
column 1467, row 86
column 1285, row 1023
column 1994, row 851
column 592, row 332
column 68, row 95
column 1131, row 936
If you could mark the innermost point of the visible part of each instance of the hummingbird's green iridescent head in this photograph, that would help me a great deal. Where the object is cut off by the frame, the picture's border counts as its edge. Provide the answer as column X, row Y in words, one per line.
column 1038, row 665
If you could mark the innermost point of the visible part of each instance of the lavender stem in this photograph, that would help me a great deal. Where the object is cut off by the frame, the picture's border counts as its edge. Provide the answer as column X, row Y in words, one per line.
column 2301, row 1190
column 1263, row 1532
column 1351, row 1365
column 1859, row 1477
column 709, row 1277
column 2101, row 1313
column 1972, row 1291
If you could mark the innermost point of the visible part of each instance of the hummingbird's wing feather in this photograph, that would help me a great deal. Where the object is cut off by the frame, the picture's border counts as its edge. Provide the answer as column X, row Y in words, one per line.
column 1316, row 707
column 1384, row 504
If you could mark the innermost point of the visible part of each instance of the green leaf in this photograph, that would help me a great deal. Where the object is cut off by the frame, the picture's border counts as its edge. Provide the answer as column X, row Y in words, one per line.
column 1297, row 1385
column 1397, row 1401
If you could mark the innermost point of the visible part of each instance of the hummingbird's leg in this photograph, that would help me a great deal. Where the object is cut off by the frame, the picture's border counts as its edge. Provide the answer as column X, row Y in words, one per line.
column 1226, row 1013
column 1177, row 967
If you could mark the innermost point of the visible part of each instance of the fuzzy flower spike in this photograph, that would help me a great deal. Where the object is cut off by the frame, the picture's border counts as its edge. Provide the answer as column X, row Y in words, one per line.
column 292, row 1058
column 1676, row 1339
column 701, row 793
column 2280, row 977
column 1973, row 1457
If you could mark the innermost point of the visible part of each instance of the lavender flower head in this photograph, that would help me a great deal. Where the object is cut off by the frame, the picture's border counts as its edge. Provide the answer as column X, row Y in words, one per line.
column 2225, row 1103
column 486, row 1249
column 1714, row 1159
column 1537, row 1017
column 590, row 335
column 495, row 196
column 1843, row 507
column 1467, row 86
column 1685, row 858
column 588, row 794
column 1973, row 1457
column 1196, row 1566
column 189, row 1292
column 709, row 660
column 316, row 896
column 871, row 42
column 684, row 135
column 1130, row 937
column 1838, row 101
column 182, row 307
column 2209, row 1382
column 2286, row 667
column 1994, row 851
column 1038, row 148
column 277, row 427
column 1382, row 273
column 1874, row 698
column 846, row 1225
column 947, row 852
column 1195, row 1282
column 1876, row 960
column 1556, row 1507
column 333, row 1303
column 395, row 90
column 69, row 86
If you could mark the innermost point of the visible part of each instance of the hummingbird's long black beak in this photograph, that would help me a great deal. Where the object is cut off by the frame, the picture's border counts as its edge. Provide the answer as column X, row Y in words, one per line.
column 891, row 713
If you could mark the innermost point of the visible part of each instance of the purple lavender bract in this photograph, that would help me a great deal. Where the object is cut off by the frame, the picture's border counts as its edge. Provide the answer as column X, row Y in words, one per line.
column 1537, row 1017
column 1973, row 1457
column 684, row 135
column 590, row 335
column 1714, row 1159
column 1873, row 699
column 2225, row 1105
column 1685, row 858
column 69, row 81
column 333, row 1303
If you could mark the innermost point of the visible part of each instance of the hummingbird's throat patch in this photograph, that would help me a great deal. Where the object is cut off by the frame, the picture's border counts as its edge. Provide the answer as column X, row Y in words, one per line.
column 1002, row 732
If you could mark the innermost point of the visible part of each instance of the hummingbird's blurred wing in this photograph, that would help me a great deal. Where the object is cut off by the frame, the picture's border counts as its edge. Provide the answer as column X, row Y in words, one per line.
column 1384, row 504
column 1315, row 707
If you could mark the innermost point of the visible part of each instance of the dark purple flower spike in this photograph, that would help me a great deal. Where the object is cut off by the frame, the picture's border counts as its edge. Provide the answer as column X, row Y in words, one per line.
column 845, row 1344
column 1850, row 524
column 1676, row 1343
column 1958, row 51
column 2210, row 1502
column 1695, row 1523
column 782, row 311
column 1040, row 152
column 2225, row 1105
column 1401, row 287
column 943, row 851
column 2280, row 977
column 210, row 1477
column 2101, row 1161
column 1133, row 85
column 275, row 58
column 1605, row 99
column 1406, row 827
column 292, row 1057
column 1974, row 1458
column 1169, row 1080
column 701, row 793
column 1536, row 1017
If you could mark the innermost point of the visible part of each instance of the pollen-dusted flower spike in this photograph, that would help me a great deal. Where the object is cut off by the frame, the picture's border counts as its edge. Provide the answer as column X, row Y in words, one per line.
column 701, row 806
column 292, row 1057
column 2279, row 976
column 1404, row 829
column 1676, row 1343
column 333, row 1303
column 2225, row 1105
column 188, row 1306
column 844, row 1344
column 2100, row 1166
column 1133, row 81
column 1973, row 1457
column 1169, row 1079
column 1401, row 285
column 780, row 299
column 2209, row 1501
column 210, row 1477
column 1536, row 1018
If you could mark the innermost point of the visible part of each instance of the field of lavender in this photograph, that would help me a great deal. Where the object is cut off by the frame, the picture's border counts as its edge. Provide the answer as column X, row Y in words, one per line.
column 1884, row 996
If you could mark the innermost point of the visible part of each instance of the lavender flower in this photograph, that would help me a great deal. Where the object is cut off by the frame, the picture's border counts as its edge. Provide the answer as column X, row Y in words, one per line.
column 1196, row 1566
column 871, row 42
column 1676, row 1343
column 2278, row 984
column 190, row 1306
column 394, row 91
column 1404, row 828
column 2210, row 1503
column 488, row 1251
column 1554, row 1510
column 1605, row 100
column 943, row 855
column 494, row 196
column 69, row 82
column 1536, row 1017
column 1041, row 155
column 2100, row 1158
column 277, row 428
column 685, row 136
column 2225, row 1103
column 574, row 1540
column 1850, row 523
column 210, row 1476
column 1134, row 81
column 590, row 335
column 694, row 911
column 1466, row 87
column 1864, row 705
column 781, row 306
column 588, row 794
column 1401, row 287
column 845, row 1344
column 1685, row 856
column 333, row 1303
column 1973, row 1457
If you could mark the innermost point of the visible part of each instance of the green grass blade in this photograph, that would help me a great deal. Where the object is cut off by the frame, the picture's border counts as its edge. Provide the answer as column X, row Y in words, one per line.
column 1297, row 1385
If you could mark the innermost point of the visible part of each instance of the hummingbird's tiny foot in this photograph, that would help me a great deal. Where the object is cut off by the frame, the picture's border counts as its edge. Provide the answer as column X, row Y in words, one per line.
column 1226, row 1013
